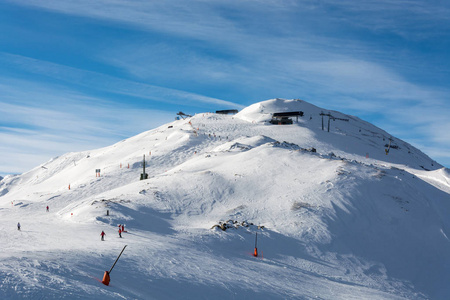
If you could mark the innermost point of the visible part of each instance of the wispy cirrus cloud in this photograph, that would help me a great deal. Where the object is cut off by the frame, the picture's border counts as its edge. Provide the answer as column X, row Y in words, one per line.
column 204, row 19
column 96, row 80
column 411, row 19
column 365, row 58
column 42, row 121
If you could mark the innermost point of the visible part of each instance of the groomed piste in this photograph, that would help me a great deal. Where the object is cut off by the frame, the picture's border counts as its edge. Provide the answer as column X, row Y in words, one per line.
column 337, row 216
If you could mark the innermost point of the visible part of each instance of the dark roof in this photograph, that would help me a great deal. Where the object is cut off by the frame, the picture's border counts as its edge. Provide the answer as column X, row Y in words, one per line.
column 227, row 111
column 288, row 114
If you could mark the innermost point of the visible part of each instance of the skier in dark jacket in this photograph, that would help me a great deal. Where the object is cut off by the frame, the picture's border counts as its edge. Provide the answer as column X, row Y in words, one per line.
column 103, row 235
column 18, row 226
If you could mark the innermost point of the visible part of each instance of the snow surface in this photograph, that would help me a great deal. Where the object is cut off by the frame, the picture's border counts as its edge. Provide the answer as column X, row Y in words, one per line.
column 344, row 222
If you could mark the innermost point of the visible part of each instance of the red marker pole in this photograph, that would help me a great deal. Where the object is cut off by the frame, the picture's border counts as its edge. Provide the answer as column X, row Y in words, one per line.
column 256, row 249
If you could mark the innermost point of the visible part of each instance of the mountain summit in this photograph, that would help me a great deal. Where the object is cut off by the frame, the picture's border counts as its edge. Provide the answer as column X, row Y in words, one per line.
column 336, row 207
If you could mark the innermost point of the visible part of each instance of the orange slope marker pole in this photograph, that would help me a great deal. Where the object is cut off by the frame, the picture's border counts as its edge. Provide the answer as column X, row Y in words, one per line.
column 255, row 253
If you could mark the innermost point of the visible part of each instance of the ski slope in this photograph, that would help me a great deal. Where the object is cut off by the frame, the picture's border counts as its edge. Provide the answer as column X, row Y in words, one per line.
column 345, row 221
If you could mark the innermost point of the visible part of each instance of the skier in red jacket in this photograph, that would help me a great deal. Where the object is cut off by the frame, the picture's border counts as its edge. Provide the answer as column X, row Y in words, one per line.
column 103, row 235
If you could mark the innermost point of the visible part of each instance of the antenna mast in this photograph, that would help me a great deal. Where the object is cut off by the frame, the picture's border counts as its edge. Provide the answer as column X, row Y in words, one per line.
column 143, row 175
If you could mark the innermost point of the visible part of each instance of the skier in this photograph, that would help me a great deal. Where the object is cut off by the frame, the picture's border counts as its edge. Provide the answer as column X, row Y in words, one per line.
column 103, row 235
column 18, row 226
column 47, row 208
column 120, row 233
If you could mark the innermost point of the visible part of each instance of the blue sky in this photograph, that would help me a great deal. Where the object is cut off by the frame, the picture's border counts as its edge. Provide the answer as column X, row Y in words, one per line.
column 79, row 75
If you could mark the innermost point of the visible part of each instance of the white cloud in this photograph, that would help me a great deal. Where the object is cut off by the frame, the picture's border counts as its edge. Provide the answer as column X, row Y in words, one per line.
column 410, row 19
column 205, row 19
column 47, row 121
column 108, row 83
column 285, row 48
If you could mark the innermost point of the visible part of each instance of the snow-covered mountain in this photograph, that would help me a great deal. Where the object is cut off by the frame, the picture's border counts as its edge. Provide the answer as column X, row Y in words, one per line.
column 336, row 217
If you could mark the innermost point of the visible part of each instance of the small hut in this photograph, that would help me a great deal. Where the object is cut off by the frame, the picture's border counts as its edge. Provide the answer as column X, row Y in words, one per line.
column 284, row 118
column 227, row 112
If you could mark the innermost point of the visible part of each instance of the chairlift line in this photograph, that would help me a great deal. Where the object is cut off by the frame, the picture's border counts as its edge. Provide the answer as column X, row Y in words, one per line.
column 331, row 117
column 389, row 146
column 183, row 115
